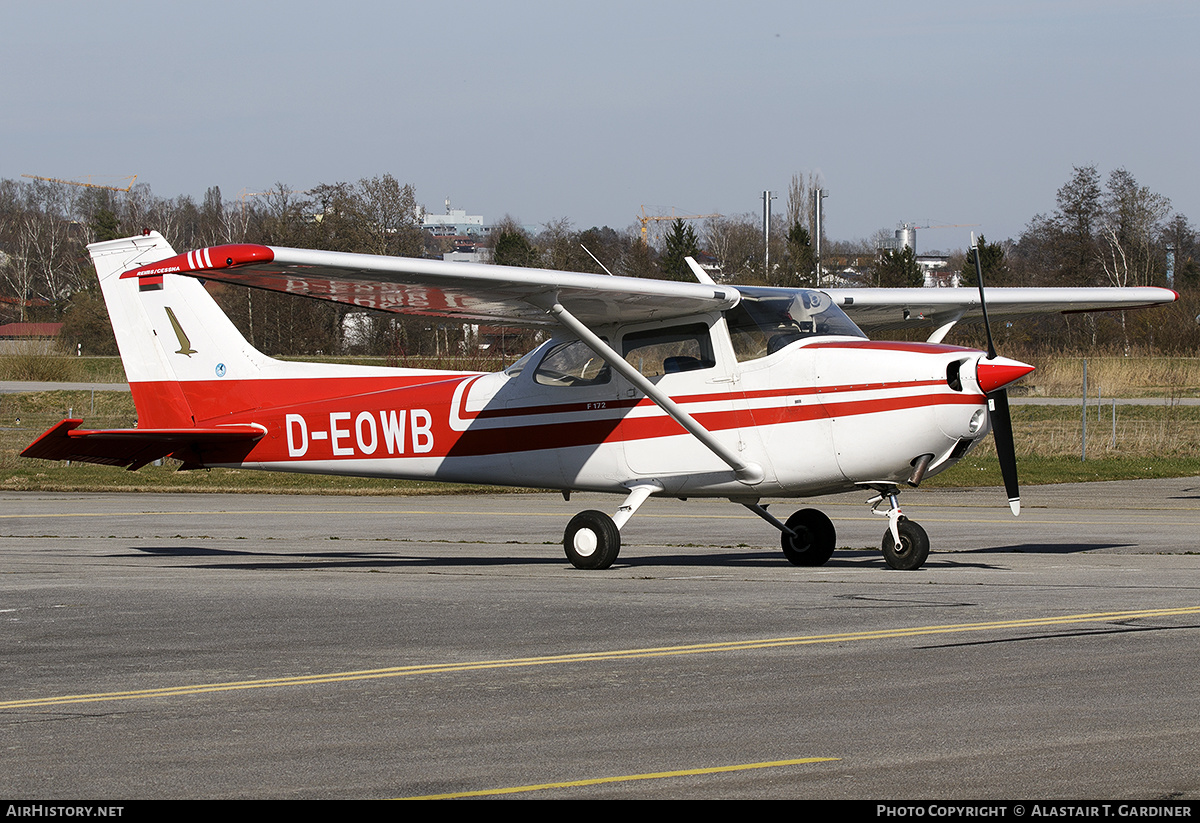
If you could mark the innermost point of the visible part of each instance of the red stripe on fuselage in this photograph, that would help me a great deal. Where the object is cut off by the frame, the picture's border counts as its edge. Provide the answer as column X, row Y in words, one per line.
column 592, row 432
column 893, row 345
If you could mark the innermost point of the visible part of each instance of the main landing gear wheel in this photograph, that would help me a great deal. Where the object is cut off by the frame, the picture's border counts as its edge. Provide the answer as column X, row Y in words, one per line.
column 592, row 540
column 814, row 541
column 913, row 548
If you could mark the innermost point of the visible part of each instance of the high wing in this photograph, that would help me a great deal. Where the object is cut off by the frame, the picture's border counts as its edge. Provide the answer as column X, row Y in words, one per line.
column 470, row 292
column 876, row 310
column 517, row 296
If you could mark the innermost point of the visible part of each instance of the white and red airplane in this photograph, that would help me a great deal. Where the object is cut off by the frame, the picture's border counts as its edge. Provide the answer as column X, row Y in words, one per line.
column 645, row 388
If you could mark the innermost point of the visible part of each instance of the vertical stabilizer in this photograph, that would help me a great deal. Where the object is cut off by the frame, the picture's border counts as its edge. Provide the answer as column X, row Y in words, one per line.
column 169, row 332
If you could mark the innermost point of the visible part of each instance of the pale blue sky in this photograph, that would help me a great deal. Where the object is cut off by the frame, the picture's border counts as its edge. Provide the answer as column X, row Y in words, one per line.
column 938, row 111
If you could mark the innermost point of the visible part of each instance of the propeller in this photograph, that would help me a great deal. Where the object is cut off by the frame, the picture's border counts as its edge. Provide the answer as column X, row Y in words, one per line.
column 994, row 375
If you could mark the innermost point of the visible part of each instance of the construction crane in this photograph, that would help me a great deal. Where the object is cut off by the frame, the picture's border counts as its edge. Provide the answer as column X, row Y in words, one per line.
column 906, row 233
column 90, row 185
column 949, row 226
column 245, row 193
column 645, row 219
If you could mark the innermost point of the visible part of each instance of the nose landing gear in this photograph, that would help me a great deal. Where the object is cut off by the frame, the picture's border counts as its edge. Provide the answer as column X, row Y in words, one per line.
column 905, row 543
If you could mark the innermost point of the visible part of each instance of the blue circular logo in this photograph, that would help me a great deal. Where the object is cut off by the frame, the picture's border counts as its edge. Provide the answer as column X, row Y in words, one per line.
column 220, row 370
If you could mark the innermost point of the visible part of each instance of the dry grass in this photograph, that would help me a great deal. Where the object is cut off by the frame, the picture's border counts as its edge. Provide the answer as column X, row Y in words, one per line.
column 1137, row 433
column 36, row 360
column 1126, row 377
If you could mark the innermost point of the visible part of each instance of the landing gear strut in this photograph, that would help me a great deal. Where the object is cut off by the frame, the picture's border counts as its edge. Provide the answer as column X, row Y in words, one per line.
column 593, row 539
column 808, row 537
column 905, row 544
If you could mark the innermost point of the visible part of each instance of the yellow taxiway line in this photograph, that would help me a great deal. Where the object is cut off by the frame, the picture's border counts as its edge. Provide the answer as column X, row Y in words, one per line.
column 595, row 781
column 591, row 657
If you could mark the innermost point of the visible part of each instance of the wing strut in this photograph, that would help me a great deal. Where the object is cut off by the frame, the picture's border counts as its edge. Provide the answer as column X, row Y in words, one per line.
column 747, row 472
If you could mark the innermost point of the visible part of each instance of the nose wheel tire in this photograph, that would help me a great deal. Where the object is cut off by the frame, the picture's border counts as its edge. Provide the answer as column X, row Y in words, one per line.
column 913, row 548
column 592, row 540
column 814, row 540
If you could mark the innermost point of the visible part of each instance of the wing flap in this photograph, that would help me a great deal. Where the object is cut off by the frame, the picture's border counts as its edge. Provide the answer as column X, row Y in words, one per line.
column 134, row 448
column 470, row 292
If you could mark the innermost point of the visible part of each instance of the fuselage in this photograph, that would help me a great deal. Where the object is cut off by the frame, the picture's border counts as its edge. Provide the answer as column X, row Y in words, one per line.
column 819, row 412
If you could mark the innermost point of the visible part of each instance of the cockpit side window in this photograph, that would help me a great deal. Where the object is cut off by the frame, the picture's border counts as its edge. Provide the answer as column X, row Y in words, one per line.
column 518, row 367
column 763, row 323
column 572, row 364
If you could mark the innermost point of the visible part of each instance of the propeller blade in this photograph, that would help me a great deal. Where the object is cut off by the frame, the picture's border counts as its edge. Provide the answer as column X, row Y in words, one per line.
column 1005, row 449
column 987, row 324
column 995, row 373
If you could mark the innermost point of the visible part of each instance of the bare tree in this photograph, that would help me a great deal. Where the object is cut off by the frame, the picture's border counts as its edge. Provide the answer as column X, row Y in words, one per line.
column 389, row 214
column 218, row 221
column 736, row 244
column 559, row 246
column 49, row 243
column 800, row 206
column 1130, row 227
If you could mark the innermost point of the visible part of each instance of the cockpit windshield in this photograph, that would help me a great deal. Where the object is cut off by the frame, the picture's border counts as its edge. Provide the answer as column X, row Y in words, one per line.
column 766, row 320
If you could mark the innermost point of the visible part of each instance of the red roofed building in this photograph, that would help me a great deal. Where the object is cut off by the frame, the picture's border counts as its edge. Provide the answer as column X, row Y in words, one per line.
column 24, row 336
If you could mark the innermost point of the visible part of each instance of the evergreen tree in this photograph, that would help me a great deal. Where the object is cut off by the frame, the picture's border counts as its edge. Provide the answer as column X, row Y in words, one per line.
column 991, row 260
column 513, row 248
column 105, row 225
column 898, row 268
column 801, row 256
column 681, row 242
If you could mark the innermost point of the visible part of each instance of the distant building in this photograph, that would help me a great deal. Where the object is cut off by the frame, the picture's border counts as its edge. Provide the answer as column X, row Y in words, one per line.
column 455, row 222
column 465, row 232
column 932, row 265
column 29, row 338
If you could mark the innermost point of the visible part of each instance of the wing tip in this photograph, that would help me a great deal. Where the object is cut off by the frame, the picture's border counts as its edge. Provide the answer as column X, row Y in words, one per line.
column 205, row 259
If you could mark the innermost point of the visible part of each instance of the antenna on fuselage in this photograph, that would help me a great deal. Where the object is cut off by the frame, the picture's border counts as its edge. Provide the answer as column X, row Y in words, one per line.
column 699, row 272
column 597, row 259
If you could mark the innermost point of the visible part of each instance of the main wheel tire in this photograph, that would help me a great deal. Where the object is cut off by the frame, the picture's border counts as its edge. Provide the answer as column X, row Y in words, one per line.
column 913, row 548
column 815, row 538
column 592, row 540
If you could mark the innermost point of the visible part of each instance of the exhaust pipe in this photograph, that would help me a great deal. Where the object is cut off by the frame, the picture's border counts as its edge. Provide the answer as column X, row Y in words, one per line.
column 920, row 465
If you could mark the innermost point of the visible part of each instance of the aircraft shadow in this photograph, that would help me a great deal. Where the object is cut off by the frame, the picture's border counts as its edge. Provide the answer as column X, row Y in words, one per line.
column 327, row 560
column 632, row 558
column 1048, row 548
column 748, row 558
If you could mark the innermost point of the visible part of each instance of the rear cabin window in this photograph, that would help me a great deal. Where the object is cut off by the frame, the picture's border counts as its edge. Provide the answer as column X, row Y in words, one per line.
column 666, row 351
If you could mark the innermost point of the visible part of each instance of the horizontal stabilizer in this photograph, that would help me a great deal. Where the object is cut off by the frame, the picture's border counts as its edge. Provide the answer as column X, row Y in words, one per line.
column 134, row 448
